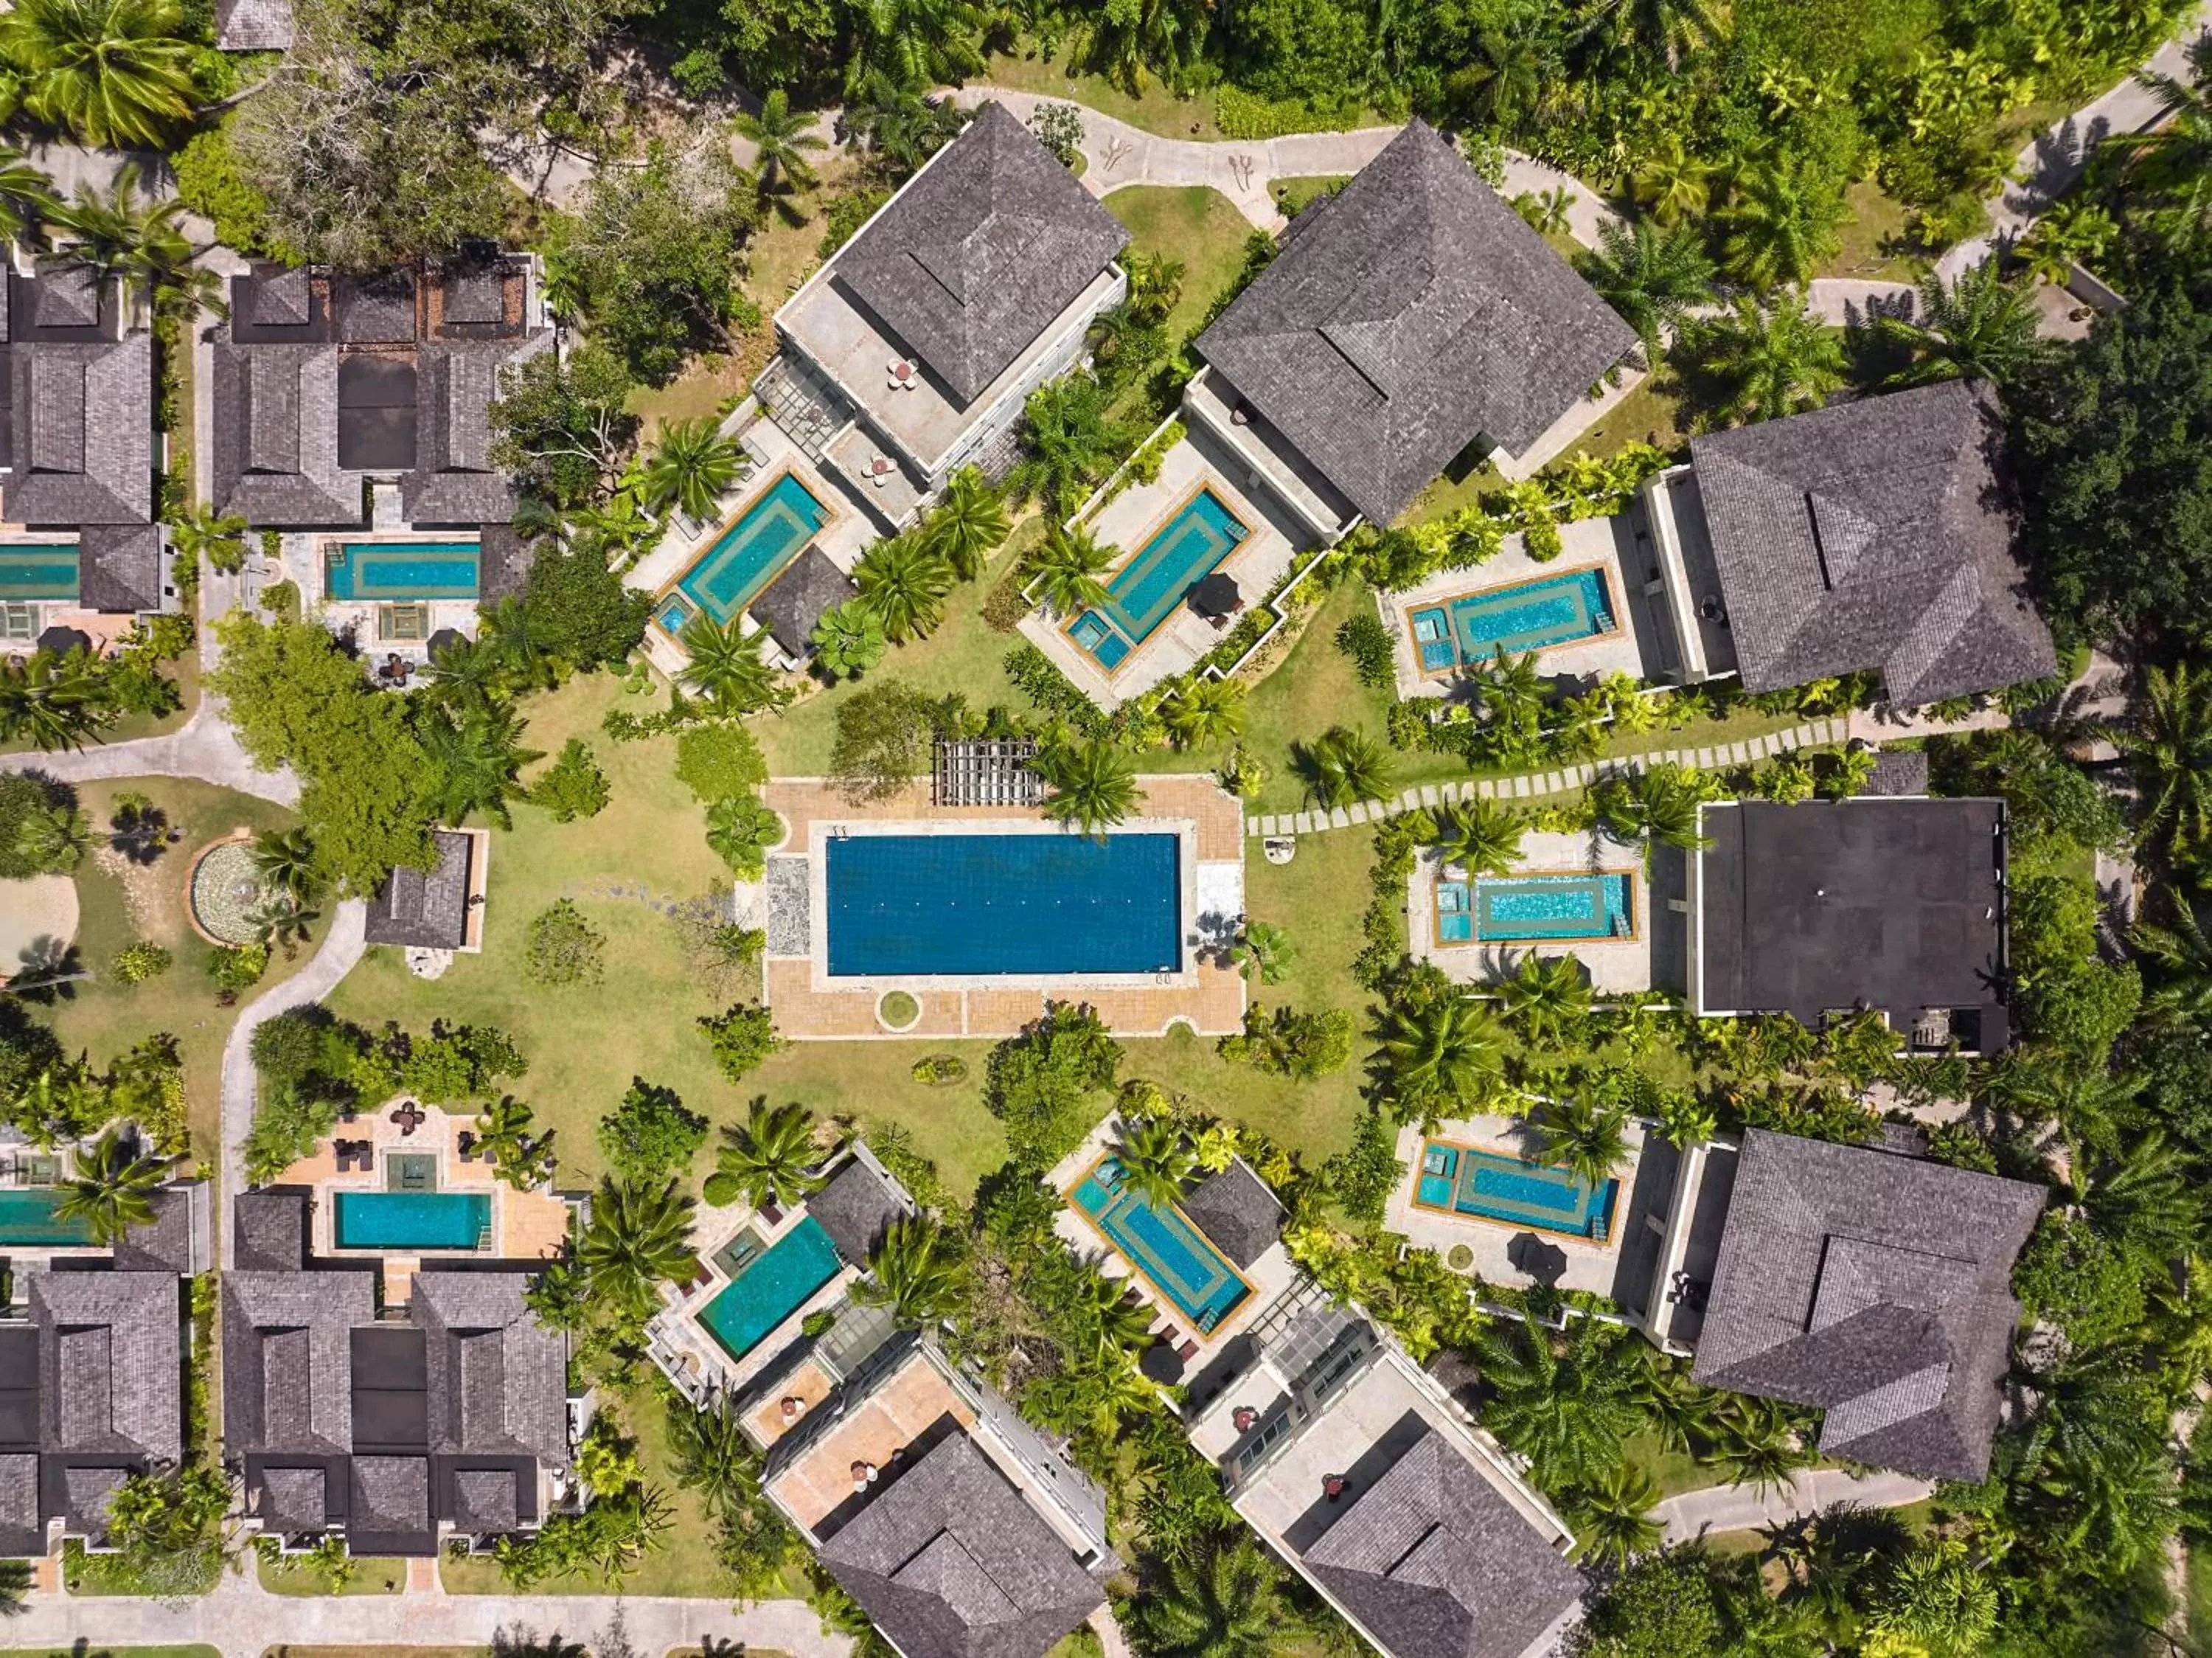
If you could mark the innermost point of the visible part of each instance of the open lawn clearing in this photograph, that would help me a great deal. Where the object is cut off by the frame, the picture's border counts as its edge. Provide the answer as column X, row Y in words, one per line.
column 1154, row 110
column 120, row 903
column 707, row 385
column 1676, row 1470
column 1291, row 194
column 294, row 1575
column 1873, row 237
column 1191, row 223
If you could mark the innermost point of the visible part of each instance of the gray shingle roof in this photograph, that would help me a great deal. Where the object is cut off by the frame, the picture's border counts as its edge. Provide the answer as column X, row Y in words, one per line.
column 980, row 252
column 486, row 1500
column 272, row 1229
column 287, row 1359
column 22, row 1527
column 86, row 1489
column 376, row 310
column 295, row 1501
column 503, row 563
column 499, row 1379
column 792, row 604
column 430, row 910
column 82, row 424
column 275, row 436
column 856, row 1207
column 453, row 482
column 1873, row 534
column 1898, row 773
column 253, row 25
column 119, row 567
column 950, row 1562
column 391, row 1494
column 1876, row 1287
column 1237, row 1213
column 176, row 1240
column 112, row 1362
column 1438, row 1564
column 1405, row 316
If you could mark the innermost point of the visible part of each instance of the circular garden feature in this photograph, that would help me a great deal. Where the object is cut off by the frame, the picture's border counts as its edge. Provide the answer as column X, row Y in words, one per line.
column 896, row 1010
column 1461, row 1257
column 226, row 888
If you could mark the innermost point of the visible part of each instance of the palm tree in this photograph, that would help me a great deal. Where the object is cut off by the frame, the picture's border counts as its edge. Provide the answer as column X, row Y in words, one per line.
column 968, row 524
column 27, row 195
column 769, row 1158
column 782, row 139
column 1165, row 36
column 893, row 114
column 917, row 1272
column 475, row 762
column 1979, row 327
column 1156, row 1161
column 1068, row 569
column 904, row 583
column 114, row 1187
column 1094, row 785
column 711, row 1455
column 1774, row 360
column 1938, row 1600
column 1754, row 1442
column 2183, row 954
column 520, row 654
column 2169, row 737
column 1567, row 1402
column 464, row 674
column 1613, row 1517
column 1155, row 285
column 1548, row 999
column 120, row 233
column 280, row 921
column 639, row 1237
column 285, row 861
column 1068, row 440
column 1265, row 953
column 739, row 829
column 1447, row 1053
column 1585, row 1137
column 1776, row 231
column 54, row 839
column 1660, row 804
column 934, row 41
column 504, row 1135
column 848, row 639
column 1672, row 185
column 1220, row 1603
column 2090, row 1103
column 1652, row 275
column 1665, row 29
column 51, row 701
column 1343, row 766
column 726, row 668
column 114, row 72
column 1205, row 711
column 1124, row 1321
column 1480, row 837
column 692, row 464
column 1825, row 1556
column 2171, row 155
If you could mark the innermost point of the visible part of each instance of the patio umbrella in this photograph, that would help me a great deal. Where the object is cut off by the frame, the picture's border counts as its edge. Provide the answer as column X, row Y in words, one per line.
column 1217, row 596
column 445, row 639
column 62, row 640
column 1545, row 1263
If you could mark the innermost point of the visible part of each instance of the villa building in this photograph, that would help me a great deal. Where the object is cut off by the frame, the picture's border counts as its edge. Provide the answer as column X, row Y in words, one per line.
column 395, row 1420
column 1828, row 908
column 351, row 413
column 80, row 548
column 439, row 909
column 93, row 1358
column 1876, row 1287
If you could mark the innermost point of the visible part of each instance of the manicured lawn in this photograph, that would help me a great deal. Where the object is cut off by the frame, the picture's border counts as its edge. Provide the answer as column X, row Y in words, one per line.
column 1873, row 237
column 1154, row 110
column 120, row 903
column 372, row 1575
column 1676, row 1470
column 1650, row 414
column 1291, row 194
column 1194, row 224
column 185, row 671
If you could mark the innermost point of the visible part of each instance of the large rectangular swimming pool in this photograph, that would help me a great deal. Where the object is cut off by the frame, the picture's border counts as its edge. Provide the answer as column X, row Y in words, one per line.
column 756, row 543
column 28, row 1217
column 1020, row 905
column 404, row 570
column 1551, row 610
column 38, row 570
column 1182, row 552
column 1468, row 1180
column 412, row 1220
column 1172, row 1255
column 776, row 1285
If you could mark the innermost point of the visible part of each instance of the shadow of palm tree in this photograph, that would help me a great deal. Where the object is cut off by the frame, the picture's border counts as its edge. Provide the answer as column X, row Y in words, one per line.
column 48, row 969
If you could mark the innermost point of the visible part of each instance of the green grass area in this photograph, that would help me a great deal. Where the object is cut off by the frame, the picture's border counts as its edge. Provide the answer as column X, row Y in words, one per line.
column 1191, row 223
column 293, row 1575
column 1676, row 1470
column 185, row 671
column 1291, row 194
column 120, row 903
column 1873, row 237
column 104, row 1575
column 2200, row 1599
column 91, row 1649
column 1154, row 110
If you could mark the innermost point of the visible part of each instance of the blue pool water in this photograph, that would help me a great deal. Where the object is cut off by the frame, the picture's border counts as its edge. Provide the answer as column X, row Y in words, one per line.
column 1022, row 906
column 27, row 1217
column 673, row 612
column 1551, row 610
column 777, row 1284
column 1564, row 906
column 1172, row 1254
column 31, row 571
column 760, row 541
column 404, row 570
column 1182, row 552
column 411, row 1220
column 1472, row 1181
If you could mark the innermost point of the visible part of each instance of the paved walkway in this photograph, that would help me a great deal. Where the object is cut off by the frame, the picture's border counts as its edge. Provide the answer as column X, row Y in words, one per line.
column 242, row 1620
column 203, row 747
column 1742, row 1508
column 340, row 948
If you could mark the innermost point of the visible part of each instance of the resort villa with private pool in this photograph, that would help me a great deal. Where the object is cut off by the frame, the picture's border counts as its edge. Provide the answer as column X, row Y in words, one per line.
column 1577, row 893
column 912, row 919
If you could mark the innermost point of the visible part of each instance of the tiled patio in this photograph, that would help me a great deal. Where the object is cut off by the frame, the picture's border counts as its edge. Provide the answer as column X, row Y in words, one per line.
column 1615, row 967
column 873, row 1434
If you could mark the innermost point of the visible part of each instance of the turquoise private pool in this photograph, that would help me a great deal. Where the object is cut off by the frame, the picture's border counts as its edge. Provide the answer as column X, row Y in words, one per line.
column 775, row 1284
column 673, row 612
column 1468, row 1180
column 28, row 1217
column 376, row 571
column 1552, row 610
column 755, row 544
column 41, row 571
column 1168, row 1252
column 1181, row 553
column 412, row 1220
column 1537, row 909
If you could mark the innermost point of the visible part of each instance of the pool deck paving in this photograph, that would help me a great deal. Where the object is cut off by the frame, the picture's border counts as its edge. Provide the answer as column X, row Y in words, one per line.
column 1616, row 967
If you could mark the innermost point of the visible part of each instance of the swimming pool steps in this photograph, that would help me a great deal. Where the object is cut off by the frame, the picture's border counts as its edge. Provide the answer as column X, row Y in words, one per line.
column 1528, row 785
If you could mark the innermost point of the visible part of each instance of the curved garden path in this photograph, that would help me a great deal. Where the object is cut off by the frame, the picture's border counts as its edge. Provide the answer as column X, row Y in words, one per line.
column 204, row 748
column 1747, row 1508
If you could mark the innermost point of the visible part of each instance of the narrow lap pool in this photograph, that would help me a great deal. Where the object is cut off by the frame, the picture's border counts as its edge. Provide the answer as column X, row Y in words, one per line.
column 1199, row 534
column 1551, row 610
column 1517, row 908
column 1173, row 1256
column 411, row 1220
column 27, row 1217
column 776, row 1285
column 1034, row 905
column 401, row 570
column 760, row 541
column 29, row 571
column 1468, row 1180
